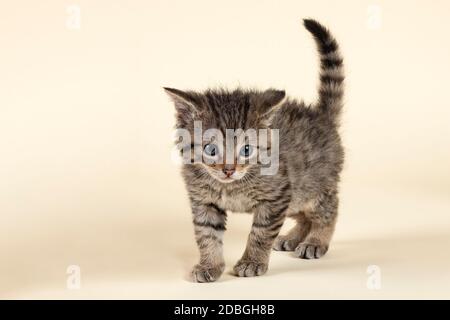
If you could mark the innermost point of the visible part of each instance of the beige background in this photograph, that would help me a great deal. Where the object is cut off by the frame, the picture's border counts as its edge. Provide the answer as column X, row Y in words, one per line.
column 85, row 137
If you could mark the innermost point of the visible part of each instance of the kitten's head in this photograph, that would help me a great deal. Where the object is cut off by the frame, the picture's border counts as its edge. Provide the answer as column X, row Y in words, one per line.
column 217, row 111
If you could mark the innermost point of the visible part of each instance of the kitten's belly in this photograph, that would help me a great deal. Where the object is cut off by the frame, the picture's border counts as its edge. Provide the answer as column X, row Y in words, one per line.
column 236, row 202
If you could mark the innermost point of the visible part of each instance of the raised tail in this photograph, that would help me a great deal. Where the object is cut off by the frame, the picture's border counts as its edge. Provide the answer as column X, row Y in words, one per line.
column 331, row 89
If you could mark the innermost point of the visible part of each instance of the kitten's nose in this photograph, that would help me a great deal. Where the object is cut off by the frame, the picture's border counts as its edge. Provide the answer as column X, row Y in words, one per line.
column 228, row 170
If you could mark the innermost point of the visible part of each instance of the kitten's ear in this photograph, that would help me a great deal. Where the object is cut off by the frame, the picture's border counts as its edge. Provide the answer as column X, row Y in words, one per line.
column 268, row 102
column 185, row 102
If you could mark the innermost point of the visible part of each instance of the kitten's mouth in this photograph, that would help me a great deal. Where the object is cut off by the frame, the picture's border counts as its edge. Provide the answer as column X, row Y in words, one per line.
column 227, row 179
column 224, row 178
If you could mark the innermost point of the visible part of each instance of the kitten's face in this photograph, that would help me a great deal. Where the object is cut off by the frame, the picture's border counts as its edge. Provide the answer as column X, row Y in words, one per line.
column 232, row 156
column 229, row 161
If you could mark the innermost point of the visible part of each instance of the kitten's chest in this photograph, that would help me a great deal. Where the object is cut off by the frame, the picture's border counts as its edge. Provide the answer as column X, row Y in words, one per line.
column 235, row 201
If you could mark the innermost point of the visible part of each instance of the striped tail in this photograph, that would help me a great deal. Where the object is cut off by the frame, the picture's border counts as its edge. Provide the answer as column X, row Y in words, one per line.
column 331, row 89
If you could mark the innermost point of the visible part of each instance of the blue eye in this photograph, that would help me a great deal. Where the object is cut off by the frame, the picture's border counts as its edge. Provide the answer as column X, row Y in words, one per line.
column 211, row 150
column 246, row 151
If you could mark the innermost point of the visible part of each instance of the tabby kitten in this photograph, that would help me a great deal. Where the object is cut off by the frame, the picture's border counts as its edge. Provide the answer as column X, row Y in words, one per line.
column 305, row 186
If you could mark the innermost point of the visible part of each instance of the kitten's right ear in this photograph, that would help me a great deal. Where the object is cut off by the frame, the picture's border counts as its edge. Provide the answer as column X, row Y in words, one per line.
column 185, row 102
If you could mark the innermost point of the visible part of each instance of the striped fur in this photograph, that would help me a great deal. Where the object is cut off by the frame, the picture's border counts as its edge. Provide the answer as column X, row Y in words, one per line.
column 209, row 225
column 305, row 187
column 331, row 88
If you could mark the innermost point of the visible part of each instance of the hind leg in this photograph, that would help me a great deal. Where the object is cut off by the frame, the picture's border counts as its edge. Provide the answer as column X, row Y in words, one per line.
column 297, row 234
column 316, row 243
column 322, row 221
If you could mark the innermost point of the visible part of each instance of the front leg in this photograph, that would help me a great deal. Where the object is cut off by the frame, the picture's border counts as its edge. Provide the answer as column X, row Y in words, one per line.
column 267, row 222
column 209, row 224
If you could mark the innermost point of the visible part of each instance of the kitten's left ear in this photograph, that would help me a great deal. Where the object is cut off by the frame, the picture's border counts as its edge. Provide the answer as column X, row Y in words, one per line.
column 185, row 102
column 267, row 103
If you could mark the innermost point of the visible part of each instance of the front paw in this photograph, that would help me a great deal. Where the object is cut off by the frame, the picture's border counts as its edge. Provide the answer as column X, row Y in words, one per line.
column 206, row 273
column 245, row 268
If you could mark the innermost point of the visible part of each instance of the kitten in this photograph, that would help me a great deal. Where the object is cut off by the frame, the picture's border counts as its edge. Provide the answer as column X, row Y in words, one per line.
column 305, row 186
